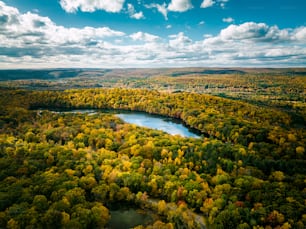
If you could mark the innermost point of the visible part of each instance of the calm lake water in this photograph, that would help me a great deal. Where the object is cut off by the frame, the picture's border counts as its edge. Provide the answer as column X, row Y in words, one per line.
column 157, row 122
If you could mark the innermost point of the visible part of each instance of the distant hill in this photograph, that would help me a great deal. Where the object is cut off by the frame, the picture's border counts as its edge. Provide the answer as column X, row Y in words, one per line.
column 46, row 74
column 55, row 74
column 209, row 71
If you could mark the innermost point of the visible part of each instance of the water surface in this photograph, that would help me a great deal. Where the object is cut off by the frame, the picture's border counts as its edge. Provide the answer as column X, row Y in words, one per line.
column 128, row 218
column 157, row 122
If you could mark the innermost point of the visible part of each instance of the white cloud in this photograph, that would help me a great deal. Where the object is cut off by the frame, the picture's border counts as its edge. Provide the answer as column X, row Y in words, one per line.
column 174, row 5
column 160, row 8
column 179, row 40
column 168, row 26
column 257, row 44
column 71, row 6
column 251, row 31
column 29, row 40
column 210, row 3
column 300, row 34
column 133, row 14
column 138, row 15
column 201, row 22
column 141, row 36
column 228, row 20
column 180, row 5
column 207, row 3
column 29, row 29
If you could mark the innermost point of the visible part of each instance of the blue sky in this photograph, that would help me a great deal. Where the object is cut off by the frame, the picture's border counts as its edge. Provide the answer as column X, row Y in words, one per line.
column 157, row 33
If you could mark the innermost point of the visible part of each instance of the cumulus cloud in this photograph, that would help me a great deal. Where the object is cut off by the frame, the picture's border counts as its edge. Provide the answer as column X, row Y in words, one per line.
column 33, row 32
column 30, row 40
column 207, row 3
column 300, row 34
column 133, row 14
column 71, row 6
column 174, row 5
column 141, row 36
column 228, row 20
column 210, row 3
column 180, row 5
column 251, row 31
column 179, row 40
column 161, row 8
column 257, row 44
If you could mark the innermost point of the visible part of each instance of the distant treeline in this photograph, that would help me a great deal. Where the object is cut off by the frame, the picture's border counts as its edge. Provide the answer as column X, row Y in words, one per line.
column 53, row 74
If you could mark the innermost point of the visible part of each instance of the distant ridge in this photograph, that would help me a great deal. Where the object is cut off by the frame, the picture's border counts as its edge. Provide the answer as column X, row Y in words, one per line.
column 45, row 74
column 210, row 71
column 56, row 74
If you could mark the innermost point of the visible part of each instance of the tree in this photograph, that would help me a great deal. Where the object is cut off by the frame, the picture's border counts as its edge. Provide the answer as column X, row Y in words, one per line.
column 228, row 219
column 75, row 196
column 100, row 215
column 82, row 215
column 161, row 207
column 277, row 176
column 88, row 182
column 100, row 192
column 41, row 203
column 13, row 224
column 52, row 218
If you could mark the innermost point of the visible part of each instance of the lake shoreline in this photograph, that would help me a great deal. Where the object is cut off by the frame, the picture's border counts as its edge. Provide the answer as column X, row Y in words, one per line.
column 176, row 121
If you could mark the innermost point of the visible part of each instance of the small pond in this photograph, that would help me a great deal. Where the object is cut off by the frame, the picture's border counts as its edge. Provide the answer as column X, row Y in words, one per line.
column 128, row 218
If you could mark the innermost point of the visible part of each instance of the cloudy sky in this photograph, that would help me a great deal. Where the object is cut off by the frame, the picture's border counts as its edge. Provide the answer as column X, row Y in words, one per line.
column 152, row 33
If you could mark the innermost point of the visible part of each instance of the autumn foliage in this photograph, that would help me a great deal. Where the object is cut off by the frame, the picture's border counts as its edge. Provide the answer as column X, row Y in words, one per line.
column 63, row 169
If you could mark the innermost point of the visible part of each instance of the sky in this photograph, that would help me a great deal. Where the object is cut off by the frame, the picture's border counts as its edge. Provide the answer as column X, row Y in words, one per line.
column 151, row 34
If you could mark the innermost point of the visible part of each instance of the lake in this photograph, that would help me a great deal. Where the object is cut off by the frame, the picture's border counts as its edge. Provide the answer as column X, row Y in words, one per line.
column 166, row 124
column 157, row 122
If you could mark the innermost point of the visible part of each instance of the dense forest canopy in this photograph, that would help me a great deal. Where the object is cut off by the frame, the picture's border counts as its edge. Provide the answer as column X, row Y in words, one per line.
column 279, row 88
column 66, row 169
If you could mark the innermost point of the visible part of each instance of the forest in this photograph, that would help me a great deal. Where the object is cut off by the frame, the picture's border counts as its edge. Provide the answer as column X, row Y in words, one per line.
column 67, row 170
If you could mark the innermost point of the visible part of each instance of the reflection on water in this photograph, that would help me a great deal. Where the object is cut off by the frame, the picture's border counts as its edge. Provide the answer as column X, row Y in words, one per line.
column 154, row 122
column 128, row 218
